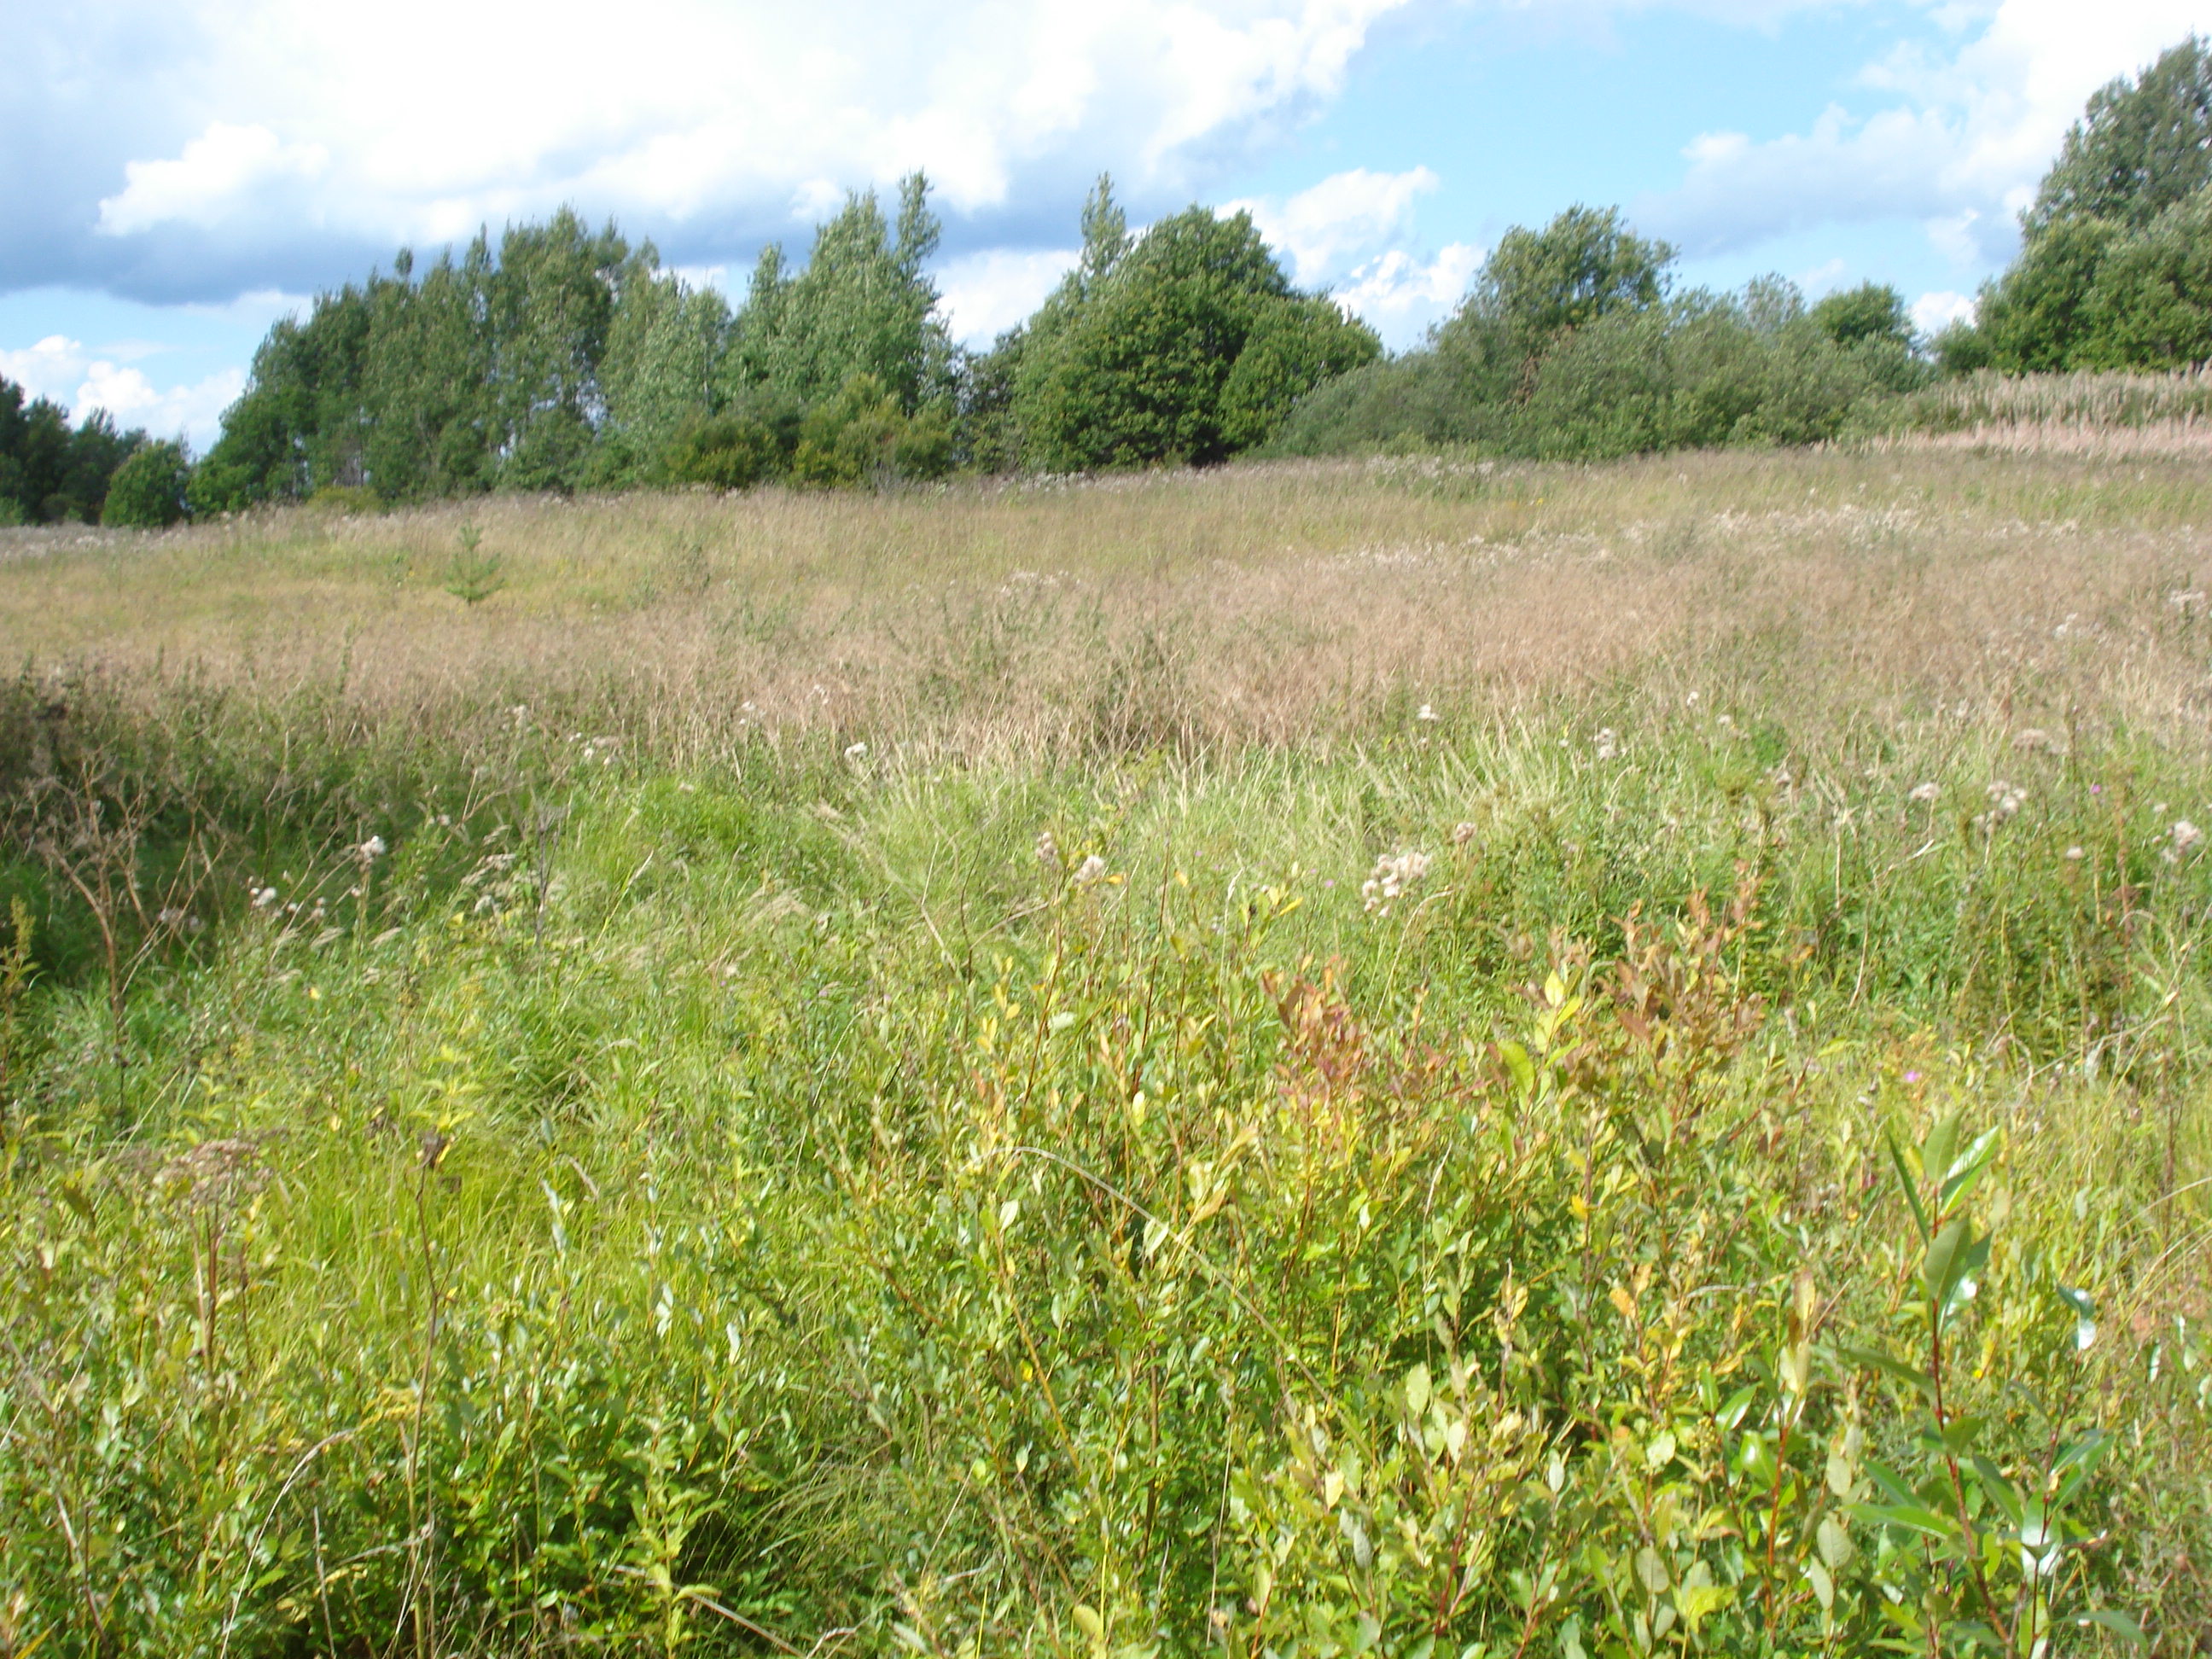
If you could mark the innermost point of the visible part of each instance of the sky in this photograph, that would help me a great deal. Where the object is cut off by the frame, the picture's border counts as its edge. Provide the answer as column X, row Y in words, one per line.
column 177, row 174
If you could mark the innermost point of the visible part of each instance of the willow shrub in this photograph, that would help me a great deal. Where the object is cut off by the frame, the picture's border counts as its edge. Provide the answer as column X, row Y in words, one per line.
column 828, row 1212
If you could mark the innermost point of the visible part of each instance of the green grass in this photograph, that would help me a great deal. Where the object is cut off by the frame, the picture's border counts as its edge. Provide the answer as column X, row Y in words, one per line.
column 754, row 1194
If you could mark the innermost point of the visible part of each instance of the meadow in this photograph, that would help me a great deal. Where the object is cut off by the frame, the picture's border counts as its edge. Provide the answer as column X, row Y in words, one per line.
column 1430, row 1057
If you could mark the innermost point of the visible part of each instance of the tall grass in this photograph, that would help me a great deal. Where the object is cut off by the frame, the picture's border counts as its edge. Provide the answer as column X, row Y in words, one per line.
column 1406, row 1058
column 2110, row 413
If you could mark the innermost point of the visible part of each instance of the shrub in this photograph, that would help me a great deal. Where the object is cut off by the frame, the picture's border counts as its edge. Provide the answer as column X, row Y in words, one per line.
column 148, row 491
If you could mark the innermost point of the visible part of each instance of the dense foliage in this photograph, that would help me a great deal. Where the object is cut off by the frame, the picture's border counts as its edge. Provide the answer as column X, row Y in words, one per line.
column 569, row 359
column 566, row 358
column 49, row 470
column 496, row 1195
column 1186, row 345
column 1573, row 345
column 2115, row 269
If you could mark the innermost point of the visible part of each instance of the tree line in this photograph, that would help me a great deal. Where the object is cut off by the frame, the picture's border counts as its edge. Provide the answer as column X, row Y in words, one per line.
column 50, row 471
column 568, row 358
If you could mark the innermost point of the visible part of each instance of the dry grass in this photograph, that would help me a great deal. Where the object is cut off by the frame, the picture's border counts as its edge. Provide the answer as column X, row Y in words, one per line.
column 1256, row 605
column 2112, row 414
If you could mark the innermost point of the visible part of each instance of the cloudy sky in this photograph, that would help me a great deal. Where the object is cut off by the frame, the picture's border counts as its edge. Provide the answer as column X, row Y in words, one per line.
column 176, row 175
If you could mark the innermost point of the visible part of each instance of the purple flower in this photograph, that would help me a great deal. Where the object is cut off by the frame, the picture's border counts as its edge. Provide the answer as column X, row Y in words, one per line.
column 1912, row 1076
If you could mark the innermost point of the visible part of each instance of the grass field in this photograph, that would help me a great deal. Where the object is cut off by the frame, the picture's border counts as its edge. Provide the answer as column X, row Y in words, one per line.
column 1426, row 1057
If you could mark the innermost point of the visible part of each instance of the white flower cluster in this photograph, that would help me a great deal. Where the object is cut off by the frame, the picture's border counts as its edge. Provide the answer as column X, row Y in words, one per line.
column 1607, row 743
column 2183, row 839
column 1925, row 792
column 1392, row 878
column 2005, row 800
column 1091, row 871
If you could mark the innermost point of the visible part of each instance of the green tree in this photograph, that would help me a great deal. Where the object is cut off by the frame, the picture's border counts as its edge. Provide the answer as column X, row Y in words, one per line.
column 426, row 378
column 1291, row 348
column 148, row 491
column 664, row 344
column 551, row 304
column 862, row 436
column 863, row 306
column 1538, row 284
column 2106, row 277
column 1872, row 311
column 2141, row 147
column 1134, row 365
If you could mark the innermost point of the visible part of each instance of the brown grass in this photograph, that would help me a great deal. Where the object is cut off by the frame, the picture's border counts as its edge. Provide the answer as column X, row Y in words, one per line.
column 1250, row 605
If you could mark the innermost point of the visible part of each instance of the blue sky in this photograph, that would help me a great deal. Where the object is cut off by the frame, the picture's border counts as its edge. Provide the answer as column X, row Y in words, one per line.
column 176, row 175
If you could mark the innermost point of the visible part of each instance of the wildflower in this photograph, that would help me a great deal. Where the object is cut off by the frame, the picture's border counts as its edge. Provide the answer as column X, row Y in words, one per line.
column 371, row 850
column 2075, row 855
column 1091, row 871
column 1048, row 853
column 2186, row 837
column 1924, row 791
column 1608, row 742
column 1391, row 880
column 858, row 751
column 2033, row 738
column 265, row 898
column 1427, row 712
column 170, row 916
column 2008, row 797
column 1462, row 833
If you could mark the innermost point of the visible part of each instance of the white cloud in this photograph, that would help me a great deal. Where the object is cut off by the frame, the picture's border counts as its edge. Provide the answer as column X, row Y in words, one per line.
column 1960, row 151
column 986, row 294
column 221, row 171
column 61, row 370
column 1400, row 294
column 50, row 368
column 693, row 111
column 1354, row 233
column 1822, row 279
column 1344, row 219
column 1934, row 312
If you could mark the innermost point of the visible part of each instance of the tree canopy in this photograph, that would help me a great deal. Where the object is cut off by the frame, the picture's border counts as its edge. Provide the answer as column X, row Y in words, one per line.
column 2113, row 270
column 49, row 470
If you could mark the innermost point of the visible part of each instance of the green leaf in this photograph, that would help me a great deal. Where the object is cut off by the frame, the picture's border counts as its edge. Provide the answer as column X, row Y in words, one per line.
column 1935, row 1151
column 2085, row 1315
column 1891, row 1482
column 1966, row 1170
column 1517, row 1062
column 2118, row 1622
column 1416, row 1389
column 1911, row 1187
column 1912, row 1515
column 2001, row 1491
column 1896, row 1368
column 1738, row 1403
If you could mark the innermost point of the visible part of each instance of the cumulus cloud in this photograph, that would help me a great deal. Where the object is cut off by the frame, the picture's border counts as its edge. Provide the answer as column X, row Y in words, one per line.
column 224, row 170
column 64, row 372
column 1960, row 149
column 278, row 129
column 1934, row 312
column 986, row 294
column 1400, row 295
column 1344, row 219
column 1354, row 233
